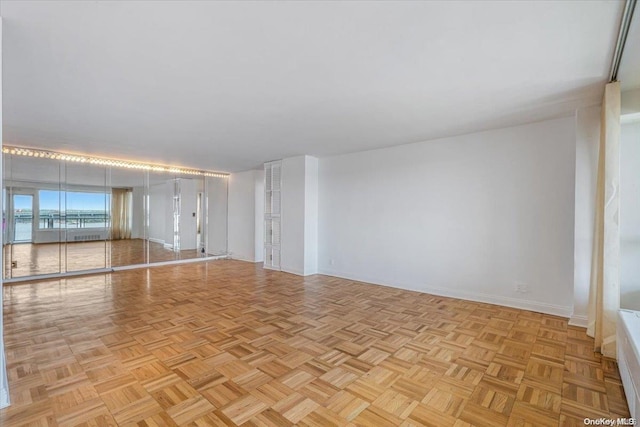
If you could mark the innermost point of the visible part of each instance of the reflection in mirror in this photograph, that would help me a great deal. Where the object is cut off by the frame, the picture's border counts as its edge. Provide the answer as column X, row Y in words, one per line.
column 33, row 221
column 216, row 214
column 163, row 241
column 190, row 235
column 86, row 216
column 66, row 213
column 128, row 244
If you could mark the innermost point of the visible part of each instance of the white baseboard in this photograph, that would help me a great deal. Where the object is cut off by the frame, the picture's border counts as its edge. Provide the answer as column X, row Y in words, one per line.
column 151, row 239
column 241, row 258
column 292, row 270
column 578, row 320
column 537, row 306
column 238, row 257
column 165, row 263
column 298, row 272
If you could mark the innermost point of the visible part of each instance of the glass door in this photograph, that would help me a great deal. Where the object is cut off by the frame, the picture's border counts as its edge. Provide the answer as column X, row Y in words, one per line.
column 22, row 218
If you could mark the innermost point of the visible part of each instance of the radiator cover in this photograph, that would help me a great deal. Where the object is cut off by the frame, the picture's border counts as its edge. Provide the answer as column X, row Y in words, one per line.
column 628, row 337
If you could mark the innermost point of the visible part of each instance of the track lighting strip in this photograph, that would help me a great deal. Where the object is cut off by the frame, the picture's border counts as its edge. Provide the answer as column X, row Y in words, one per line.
column 126, row 164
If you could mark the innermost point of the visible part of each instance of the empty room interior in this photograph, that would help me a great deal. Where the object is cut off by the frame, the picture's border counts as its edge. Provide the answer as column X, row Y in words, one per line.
column 319, row 213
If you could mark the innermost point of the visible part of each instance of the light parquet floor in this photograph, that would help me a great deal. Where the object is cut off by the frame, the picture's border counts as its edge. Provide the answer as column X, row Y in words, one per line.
column 228, row 343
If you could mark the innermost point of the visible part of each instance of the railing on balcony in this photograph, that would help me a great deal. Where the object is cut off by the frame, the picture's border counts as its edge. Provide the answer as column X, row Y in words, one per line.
column 22, row 222
column 82, row 219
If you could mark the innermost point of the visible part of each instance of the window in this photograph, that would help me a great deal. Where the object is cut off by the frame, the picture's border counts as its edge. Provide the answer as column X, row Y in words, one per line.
column 72, row 209
column 50, row 207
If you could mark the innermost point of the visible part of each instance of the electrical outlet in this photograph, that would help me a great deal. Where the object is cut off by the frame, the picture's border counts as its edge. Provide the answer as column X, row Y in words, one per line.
column 522, row 288
column 332, row 261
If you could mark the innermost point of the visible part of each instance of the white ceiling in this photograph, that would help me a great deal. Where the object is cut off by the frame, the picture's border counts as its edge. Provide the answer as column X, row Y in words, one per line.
column 229, row 85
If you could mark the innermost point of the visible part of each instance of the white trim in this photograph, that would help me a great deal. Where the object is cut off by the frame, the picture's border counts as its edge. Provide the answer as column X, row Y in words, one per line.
column 165, row 263
column 297, row 272
column 292, row 271
column 537, row 306
column 58, row 275
column 114, row 269
column 578, row 320
column 154, row 240
column 237, row 258
column 249, row 261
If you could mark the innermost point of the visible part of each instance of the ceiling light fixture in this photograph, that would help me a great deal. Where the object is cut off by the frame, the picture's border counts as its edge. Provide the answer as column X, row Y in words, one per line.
column 31, row 152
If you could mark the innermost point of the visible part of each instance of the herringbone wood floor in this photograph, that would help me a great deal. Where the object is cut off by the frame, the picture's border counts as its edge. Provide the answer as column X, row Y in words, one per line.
column 228, row 343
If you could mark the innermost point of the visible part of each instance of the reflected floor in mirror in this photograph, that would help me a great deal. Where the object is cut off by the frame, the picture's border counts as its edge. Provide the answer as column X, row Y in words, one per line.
column 229, row 343
column 49, row 258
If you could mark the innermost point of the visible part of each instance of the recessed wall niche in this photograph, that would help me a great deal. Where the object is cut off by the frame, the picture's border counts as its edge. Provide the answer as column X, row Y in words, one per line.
column 68, row 214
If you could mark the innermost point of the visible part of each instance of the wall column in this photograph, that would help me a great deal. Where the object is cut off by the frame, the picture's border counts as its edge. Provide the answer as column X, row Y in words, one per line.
column 299, row 245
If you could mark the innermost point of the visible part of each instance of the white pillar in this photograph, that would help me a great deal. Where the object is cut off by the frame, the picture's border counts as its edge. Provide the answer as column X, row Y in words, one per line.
column 299, row 247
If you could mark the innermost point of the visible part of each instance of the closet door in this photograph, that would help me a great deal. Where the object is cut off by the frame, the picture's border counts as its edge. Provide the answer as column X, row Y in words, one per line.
column 272, row 218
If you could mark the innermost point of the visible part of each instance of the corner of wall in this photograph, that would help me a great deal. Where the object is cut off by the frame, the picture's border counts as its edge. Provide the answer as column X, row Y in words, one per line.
column 311, row 216
column 258, row 184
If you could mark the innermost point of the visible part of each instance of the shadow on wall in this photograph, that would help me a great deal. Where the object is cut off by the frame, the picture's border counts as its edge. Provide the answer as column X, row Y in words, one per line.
column 630, row 275
column 631, row 300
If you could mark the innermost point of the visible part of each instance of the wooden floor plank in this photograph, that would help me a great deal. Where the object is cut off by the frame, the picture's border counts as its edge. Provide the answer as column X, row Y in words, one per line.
column 228, row 343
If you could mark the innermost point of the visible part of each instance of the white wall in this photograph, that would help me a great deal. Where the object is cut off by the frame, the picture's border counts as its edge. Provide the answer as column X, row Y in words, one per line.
column 630, row 216
column 311, row 215
column 298, row 253
column 292, row 216
column 246, row 215
column 242, row 216
column 630, row 102
column 468, row 216
column 587, row 143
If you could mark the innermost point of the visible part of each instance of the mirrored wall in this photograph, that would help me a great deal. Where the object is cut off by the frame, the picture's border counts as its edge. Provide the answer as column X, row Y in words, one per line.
column 61, row 216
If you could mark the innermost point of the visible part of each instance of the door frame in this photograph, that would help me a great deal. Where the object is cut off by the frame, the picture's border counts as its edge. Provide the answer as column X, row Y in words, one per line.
column 11, row 192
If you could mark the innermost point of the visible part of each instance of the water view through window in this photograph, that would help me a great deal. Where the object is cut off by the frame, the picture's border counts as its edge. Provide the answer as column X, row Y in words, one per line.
column 23, row 217
column 60, row 209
